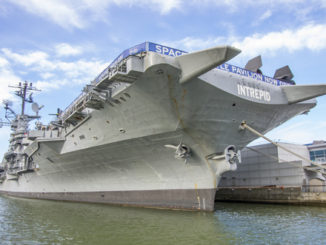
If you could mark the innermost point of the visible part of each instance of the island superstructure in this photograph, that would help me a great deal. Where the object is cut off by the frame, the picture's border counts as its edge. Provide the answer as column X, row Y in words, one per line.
column 156, row 128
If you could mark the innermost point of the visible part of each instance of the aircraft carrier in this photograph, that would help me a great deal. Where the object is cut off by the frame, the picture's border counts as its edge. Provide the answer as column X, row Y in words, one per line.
column 156, row 128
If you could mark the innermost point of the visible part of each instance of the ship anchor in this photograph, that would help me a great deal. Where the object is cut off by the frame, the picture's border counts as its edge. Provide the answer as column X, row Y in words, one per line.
column 182, row 151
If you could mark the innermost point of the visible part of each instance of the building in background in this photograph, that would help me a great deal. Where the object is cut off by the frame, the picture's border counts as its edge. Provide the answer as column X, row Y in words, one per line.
column 270, row 174
column 317, row 150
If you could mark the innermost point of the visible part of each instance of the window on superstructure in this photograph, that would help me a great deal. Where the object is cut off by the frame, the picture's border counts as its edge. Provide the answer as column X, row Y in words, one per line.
column 318, row 155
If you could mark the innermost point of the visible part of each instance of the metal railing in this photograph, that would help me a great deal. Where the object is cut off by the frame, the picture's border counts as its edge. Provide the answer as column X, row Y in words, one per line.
column 72, row 104
column 106, row 74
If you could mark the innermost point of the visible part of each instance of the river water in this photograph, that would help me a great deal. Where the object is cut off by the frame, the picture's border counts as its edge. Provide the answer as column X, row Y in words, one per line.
column 26, row 221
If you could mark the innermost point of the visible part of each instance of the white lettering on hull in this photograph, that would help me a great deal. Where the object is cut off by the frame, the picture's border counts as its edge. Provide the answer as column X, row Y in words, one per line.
column 254, row 93
column 168, row 51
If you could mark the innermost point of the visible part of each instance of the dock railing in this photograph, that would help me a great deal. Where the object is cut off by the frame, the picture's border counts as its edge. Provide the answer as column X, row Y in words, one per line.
column 313, row 188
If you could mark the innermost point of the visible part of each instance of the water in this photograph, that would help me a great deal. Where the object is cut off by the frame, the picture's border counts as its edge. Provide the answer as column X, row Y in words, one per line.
column 24, row 221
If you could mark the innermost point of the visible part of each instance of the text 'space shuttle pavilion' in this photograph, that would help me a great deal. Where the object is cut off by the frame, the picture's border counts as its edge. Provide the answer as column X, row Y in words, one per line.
column 157, row 128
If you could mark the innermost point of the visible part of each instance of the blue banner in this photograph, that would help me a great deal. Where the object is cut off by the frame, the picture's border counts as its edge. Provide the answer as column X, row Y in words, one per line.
column 243, row 72
column 165, row 50
column 157, row 48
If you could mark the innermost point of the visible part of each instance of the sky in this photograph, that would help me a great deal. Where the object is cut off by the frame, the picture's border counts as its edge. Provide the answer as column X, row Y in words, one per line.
column 61, row 45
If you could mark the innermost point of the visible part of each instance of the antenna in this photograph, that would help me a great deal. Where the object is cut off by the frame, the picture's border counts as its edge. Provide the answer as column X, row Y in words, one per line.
column 59, row 111
column 7, row 103
column 4, row 123
column 23, row 90
column 20, row 121
column 9, row 112
column 35, row 107
column 30, row 98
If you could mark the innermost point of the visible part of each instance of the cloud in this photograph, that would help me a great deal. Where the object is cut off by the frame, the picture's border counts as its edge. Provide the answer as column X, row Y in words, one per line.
column 236, row 5
column 162, row 6
column 267, row 14
column 64, row 49
column 191, row 44
column 72, row 14
column 312, row 37
column 80, row 14
column 51, row 68
column 47, row 75
column 3, row 62
column 166, row 6
column 41, row 62
column 7, row 77
column 53, row 84
column 60, row 12
column 81, row 68
column 26, row 59
column 3, row 10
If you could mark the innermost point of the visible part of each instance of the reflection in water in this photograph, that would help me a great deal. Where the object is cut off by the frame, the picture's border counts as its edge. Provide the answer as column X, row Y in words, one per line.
column 273, row 224
column 24, row 221
column 46, row 222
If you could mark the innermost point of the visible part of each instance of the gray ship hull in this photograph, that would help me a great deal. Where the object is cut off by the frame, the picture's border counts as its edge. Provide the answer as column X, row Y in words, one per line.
column 120, row 154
